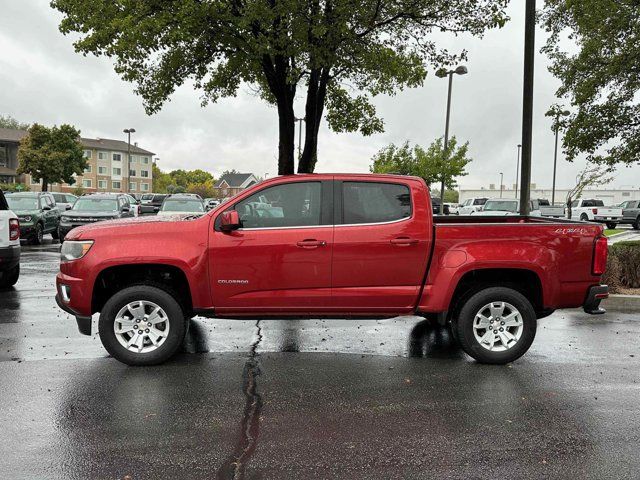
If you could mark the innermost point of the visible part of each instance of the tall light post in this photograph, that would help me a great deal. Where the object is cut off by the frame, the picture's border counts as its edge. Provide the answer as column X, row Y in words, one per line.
column 501, row 177
column 527, row 103
column 299, row 120
column 558, row 114
column 518, row 169
column 441, row 73
column 128, row 131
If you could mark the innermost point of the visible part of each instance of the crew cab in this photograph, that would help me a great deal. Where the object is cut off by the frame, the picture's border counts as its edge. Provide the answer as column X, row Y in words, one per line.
column 321, row 245
column 593, row 210
column 9, row 245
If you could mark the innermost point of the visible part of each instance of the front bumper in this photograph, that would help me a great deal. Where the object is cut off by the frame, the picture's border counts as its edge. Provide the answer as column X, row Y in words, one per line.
column 84, row 323
column 27, row 231
column 9, row 257
column 595, row 295
column 598, row 218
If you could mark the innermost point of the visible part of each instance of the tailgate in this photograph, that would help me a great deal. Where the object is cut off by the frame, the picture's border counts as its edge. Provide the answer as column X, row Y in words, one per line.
column 609, row 212
column 552, row 211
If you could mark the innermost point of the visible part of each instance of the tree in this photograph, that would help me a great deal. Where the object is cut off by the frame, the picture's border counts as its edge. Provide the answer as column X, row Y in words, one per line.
column 591, row 175
column 7, row 121
column 161, row 180
column 599, row 76
column 342, row 52
column 52, row 155
column 204, row 189
column 430, row 164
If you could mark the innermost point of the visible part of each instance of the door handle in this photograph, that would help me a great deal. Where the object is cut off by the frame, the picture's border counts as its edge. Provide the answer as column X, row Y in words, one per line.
column 403, row 242
column 311, row 243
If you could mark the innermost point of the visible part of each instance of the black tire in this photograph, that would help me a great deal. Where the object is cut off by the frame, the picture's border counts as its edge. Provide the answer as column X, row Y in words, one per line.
column 55, row 234
column 61, row 236
column 10, row 277
column 37, row 235
column 162, row 298
column 611, row 225
column 584, row 217
column 465, row 320
column 636, row 224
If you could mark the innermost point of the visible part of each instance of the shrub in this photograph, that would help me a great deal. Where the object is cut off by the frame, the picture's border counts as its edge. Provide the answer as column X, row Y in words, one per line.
column 14, row 187
column 623, row 265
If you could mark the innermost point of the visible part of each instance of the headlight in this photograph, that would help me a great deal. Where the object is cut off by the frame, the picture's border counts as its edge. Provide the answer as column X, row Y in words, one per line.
column 72, row 250
column 25, row 218
column 65, row 219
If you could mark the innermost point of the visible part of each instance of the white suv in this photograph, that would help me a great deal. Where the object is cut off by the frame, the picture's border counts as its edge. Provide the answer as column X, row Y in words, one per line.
column 9, row 245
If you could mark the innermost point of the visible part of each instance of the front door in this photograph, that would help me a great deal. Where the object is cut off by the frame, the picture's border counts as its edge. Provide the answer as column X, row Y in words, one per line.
column 630, row 210
column 279, row 261
column 381, row 247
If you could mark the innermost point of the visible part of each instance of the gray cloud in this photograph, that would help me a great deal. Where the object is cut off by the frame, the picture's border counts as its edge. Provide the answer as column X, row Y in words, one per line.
column 42, row 79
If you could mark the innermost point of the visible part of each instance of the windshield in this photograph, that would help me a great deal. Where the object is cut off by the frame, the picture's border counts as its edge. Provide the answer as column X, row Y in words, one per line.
column 182, row 206
column 22, row 203
column 501, row 206
column 95, row 205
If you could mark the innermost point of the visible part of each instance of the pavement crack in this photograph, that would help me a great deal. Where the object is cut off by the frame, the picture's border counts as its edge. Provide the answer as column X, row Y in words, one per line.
column 235, row 465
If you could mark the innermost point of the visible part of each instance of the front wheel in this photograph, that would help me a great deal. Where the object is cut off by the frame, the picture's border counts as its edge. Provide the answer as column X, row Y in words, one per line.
column 142, row 325
column 496, row 325
column 636, row 224
column 38, row 235
column 55, row 234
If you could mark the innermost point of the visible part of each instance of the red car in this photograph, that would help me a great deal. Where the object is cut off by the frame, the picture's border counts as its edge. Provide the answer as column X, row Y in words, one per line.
column 329, row 246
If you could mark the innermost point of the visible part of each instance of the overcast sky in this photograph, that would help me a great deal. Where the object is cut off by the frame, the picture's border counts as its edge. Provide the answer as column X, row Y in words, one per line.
column 43, row 80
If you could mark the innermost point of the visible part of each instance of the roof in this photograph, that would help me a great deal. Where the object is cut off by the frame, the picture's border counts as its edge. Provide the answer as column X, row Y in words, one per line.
column 234, row 180
column 11, row 135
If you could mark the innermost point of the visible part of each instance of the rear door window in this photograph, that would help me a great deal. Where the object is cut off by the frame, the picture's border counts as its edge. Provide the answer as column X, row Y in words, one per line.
column 374, row 202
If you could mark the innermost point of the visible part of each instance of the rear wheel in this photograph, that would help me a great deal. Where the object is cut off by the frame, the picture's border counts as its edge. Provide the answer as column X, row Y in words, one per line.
column 142, row 325
column 496, row 325
column 611, row 225
column 10, row 277
column 584, row 217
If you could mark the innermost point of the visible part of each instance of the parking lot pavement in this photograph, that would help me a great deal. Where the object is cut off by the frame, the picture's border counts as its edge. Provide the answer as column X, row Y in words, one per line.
column 313, row 399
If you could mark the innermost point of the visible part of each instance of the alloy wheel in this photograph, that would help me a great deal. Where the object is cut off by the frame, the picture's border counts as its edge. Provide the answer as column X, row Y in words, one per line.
column 141, row 326
column 498, row 326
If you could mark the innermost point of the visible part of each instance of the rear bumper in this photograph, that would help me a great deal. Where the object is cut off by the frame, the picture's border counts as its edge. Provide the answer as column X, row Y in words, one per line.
column 595, row 295
column 9, row 257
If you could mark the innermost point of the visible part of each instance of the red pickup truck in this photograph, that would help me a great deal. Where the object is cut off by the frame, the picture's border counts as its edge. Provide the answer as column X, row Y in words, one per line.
column 324, row 245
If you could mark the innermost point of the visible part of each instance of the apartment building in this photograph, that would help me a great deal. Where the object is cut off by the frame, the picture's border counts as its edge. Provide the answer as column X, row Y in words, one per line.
column 108, row 168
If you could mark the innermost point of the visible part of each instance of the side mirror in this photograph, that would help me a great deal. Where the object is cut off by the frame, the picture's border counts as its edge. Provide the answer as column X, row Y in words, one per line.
column 68, row 207
column 125, row 209
column 229, row 221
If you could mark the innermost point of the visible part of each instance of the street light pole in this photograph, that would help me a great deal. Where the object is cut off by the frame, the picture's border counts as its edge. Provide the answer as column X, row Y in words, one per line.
column 518, row 169
column 555, row 153
column 501, row 177
column 299, row 120
column 461, row 70
column 128, row 131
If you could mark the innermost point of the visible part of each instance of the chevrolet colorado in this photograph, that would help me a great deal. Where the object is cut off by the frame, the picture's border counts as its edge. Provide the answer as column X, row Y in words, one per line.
column 325, row 245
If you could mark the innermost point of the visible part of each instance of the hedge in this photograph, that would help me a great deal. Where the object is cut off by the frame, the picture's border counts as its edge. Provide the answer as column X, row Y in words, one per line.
column 623, row 265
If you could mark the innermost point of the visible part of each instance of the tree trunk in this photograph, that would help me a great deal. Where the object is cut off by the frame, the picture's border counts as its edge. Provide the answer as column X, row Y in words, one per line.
column 286, row 133
column 45, row 185
column 314, row 108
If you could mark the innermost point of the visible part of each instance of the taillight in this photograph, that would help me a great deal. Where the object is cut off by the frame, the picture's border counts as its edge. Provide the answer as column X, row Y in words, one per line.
column 14, row 229
column 595, row 211
column 600, row 252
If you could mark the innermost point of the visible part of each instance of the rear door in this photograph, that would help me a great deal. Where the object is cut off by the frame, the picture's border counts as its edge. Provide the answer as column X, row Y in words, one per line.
column 381, row 245
column 630, row 211
column 279, row 261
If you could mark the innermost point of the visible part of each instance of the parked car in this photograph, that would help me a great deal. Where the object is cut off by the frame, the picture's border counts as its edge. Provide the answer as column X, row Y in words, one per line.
column 346, row 245
column 134, row 204
column 593, row 210
column 146, row 198
column 435, row 207
column 37, row 214
column 211, row 203
column 64, row 201
column 631, row 213
column 176, row 204
column 9, row 245
column 152, row 206
column 506, row 206
column 453, row 208
column 471, row 205
column 94, row 208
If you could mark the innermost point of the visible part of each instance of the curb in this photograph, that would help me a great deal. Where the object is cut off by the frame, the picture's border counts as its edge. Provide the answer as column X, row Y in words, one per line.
column 622, row 303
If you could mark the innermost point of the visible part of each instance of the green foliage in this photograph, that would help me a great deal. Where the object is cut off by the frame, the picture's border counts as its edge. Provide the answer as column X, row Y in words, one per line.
column 14, row 187
column 78, row 191
column 204, row 189
column 599, row 75
column 344, row 52
column 623, row 265
column 7, row 121
column 181, row 181
column 431, row 164
column 52, row 155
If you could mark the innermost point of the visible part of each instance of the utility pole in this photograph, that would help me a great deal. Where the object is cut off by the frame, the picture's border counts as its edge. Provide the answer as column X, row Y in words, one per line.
column 518, row 169
column 527, row 104
column 128, row 131
column 501, row 177
column 558, row 114
column 299, row 120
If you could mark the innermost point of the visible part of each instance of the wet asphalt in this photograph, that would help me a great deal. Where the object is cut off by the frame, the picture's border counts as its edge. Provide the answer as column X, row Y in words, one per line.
column 313, row 399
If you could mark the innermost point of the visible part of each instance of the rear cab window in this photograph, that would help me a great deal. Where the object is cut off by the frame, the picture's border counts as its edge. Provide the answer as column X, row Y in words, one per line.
column 374, row 202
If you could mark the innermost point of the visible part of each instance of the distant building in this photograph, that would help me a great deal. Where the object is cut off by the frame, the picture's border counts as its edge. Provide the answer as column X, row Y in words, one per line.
column 233, row 183
column 610, row 196
column 107, row 170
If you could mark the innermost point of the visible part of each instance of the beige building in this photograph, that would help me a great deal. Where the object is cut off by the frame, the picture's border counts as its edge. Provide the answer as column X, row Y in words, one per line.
column 108, row 169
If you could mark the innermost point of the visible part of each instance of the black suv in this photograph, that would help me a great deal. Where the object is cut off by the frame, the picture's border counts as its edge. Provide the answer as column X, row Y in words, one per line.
column 153, row 207
column 94, row 208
